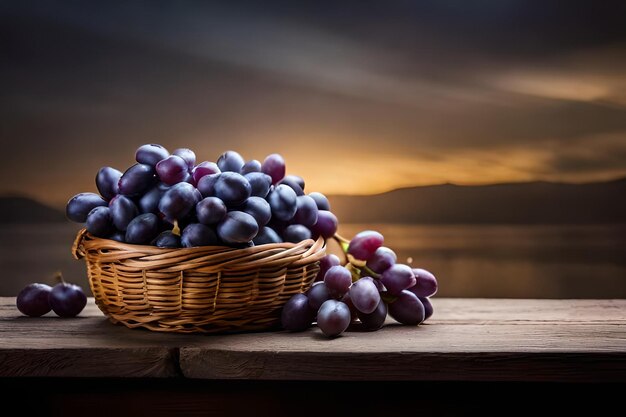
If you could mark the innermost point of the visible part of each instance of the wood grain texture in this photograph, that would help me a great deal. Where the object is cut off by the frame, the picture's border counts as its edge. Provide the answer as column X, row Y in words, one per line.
column 86, row 346
column 466, row 340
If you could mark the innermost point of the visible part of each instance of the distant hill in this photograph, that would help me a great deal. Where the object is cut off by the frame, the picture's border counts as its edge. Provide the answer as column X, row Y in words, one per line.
column 18, row 209
column 515, row 203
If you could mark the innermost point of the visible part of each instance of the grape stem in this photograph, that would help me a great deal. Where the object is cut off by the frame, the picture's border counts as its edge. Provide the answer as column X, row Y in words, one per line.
column 343, row 242
column 388, row 298
column 58, row 276
column 176, row 228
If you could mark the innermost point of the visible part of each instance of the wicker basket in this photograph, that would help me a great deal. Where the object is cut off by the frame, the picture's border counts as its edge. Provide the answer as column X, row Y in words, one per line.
column 205, row 289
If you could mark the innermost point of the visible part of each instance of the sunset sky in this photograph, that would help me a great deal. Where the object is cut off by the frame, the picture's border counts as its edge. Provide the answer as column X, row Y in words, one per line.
column 359, row 97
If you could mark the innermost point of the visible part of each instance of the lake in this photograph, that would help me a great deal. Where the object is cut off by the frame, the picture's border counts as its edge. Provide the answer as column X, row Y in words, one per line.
column 469, row 260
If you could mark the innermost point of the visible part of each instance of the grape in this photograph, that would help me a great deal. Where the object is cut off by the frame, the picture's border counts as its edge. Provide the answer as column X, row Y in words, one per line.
column 382, row 260
column 206, row 184
column 106, row 181
column 306, row 212
column 407, row 309
column 211, row 210
column 67, row 300
column 142, row 229
column 188, row 156
column 230, row 161
column 237, row 227
column 379, row 285
column 274, row 166
column 172, row 170
column 364, row 295
column 426, row 283
column 348, row 301
column 295, row 179
column 266, row 235
column 326, row 263
column 179, row 200
column 326, row 225
column 33, row 300
column 136, row 180
column 123, row 210
column 320, row 200
column 297, row 315
column 364, row 244
column 149, row 202
column 398, row 278
column 338, row 280
column 317, row 294
column 278, row 225
column 99, row 222
column 375, row 319
column 428, row 307
column 259, row 184
column 251, row 166
column 293, row 183
column 81, row 204
column 198, row 234
column 283, row 202
column 333, row 318
column 118, row 236
column 258, row 208
column 232, row 188
column 296, row 233
column 167, row 239
column 204, row 168
column 150, row 154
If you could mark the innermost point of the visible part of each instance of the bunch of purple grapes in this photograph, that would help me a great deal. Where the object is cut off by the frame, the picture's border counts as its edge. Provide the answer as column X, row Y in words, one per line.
column 367, row 288
column 169, row 201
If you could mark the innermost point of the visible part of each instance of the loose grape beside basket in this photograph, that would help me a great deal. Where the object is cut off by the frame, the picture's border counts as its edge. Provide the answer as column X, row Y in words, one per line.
column 197, row 290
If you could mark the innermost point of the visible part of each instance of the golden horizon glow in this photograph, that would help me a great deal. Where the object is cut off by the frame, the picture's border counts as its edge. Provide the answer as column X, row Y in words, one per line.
column 348, row 171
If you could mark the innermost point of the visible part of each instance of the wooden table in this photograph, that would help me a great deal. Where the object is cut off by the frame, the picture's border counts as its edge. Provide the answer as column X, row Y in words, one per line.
column 476, row 340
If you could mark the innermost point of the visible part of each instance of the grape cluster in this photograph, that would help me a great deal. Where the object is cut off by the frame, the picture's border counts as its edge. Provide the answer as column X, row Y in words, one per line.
column 367, row 288
column 169, row 201
column 65, row 299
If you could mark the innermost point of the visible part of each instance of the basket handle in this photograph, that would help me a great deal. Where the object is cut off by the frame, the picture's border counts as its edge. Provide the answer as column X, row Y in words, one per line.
column 78, row 250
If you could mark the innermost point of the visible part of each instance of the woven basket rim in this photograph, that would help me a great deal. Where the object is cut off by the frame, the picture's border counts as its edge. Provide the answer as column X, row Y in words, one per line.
column 83, row 237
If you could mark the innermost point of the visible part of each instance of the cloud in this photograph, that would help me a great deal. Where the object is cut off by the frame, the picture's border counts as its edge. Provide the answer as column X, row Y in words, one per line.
column 380, row 96
column 599, row 154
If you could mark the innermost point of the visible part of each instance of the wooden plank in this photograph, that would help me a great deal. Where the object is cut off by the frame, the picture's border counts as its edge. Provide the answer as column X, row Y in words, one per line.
column 430, row 352
column 466, row 340
column 86, row 346
column 470, row 310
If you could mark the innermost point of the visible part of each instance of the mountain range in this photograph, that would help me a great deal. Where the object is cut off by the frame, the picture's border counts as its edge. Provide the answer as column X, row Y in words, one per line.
column 513, row 203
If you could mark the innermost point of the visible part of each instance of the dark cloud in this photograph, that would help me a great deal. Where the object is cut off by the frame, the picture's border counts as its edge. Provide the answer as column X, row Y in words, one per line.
column 444, row 82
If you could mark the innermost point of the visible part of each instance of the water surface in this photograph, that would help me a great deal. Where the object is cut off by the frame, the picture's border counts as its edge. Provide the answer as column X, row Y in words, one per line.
column 470, row 261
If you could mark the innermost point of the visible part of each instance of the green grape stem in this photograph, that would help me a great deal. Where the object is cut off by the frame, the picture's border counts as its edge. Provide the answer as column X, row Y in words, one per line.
column 388, row 298
column 354, row 271
column 355, row 266
column 176, row 228
column 370, row 272
column 343, row 242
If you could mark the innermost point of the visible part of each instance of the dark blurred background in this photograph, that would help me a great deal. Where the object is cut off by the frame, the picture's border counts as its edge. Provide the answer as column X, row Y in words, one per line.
column 486, row 140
